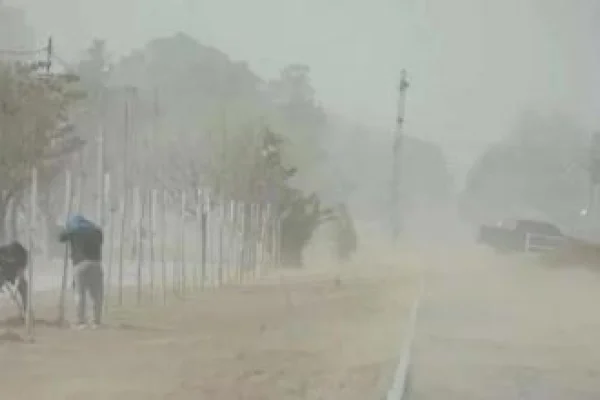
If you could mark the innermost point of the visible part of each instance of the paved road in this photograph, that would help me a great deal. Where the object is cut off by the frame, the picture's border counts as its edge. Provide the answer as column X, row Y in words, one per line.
column 506, row 328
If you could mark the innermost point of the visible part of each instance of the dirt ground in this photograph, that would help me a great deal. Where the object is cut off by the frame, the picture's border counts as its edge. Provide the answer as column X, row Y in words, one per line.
column 294, row 336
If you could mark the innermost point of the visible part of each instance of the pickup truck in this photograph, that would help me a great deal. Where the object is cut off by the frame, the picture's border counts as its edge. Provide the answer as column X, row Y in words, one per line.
column 521, row 236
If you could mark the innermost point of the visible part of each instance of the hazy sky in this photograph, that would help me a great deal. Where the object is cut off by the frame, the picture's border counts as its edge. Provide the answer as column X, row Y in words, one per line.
column 473, row 64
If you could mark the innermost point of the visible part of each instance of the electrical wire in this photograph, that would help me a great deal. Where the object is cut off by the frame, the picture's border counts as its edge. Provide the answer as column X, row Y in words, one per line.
column 23, row 52
column 62, row 62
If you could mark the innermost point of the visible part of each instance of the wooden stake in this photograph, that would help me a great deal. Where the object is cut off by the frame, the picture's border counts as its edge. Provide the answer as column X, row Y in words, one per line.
column 152, row 232
column 163, row 235
column 30, row 320
column 110, row 240
column 63, row 287
column 182, row 238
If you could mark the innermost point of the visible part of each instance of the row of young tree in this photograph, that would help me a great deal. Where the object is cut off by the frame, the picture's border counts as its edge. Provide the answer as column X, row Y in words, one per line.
column 177, row 115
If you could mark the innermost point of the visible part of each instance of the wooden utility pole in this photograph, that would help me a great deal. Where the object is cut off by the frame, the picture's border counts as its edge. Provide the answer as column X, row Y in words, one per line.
column 594, row 172
column 49, row 55
column 397, row 206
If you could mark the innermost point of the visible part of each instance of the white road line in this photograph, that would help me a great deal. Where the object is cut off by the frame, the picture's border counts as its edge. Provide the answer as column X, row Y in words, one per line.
column 399, row 385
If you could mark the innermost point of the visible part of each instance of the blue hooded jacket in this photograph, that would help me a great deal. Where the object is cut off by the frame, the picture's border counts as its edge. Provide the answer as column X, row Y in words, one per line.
column 85, row 237
column 78, row 223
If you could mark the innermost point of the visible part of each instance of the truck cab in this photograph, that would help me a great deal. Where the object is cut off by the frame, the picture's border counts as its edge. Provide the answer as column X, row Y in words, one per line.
column 520, row 235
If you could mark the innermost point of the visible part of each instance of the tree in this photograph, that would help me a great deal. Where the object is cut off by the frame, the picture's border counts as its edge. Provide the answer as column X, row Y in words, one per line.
column 94, row 68
column 207, row 117
column 34, row 130
column 298, row 114
column 540, row 170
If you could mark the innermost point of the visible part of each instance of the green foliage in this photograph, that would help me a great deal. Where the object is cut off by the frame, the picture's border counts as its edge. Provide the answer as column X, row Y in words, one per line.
column 297, row 114
column 301, row 217
column 35, row 129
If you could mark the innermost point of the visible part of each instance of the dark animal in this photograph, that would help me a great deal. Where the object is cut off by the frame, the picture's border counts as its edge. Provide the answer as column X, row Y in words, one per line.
column 13, row 261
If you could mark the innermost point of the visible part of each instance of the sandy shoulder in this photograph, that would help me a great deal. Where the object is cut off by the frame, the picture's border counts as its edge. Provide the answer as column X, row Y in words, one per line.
column 292, row 337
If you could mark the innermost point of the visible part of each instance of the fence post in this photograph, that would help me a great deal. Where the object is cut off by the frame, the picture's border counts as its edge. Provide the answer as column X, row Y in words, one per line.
column 198, row 235
column 122, row 245
column 231, row 241
column 79, row 193
column 265, row 235
column 109, row 225
column 252, row 241
column 163, row 235
column 100, row 178
column 29, row 318
column 234, row 242
column 139, row 248
column 243, row 242
column 152, row 233
column 222, row 208
column 63, row 286
column 239, row 250
column 277, row 236
column 182, row 238
column 206, row 241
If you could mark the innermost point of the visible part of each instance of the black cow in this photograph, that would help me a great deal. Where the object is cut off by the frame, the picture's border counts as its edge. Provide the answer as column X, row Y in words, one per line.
column 13, row 261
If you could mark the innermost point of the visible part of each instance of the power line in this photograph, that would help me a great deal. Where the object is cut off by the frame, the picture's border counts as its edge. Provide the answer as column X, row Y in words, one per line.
column 23, row 52
column 38, row 64
column 62, row 62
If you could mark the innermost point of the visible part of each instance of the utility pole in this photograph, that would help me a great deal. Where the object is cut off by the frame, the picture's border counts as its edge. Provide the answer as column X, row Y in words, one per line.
column 49, row 55
column 594, row 170
column 397, row 206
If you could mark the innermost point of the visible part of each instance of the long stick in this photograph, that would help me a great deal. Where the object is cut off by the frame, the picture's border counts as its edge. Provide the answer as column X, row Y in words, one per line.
column 123, row 208
column 32, row 219
column 183, row 237
column 232, row 241
column 124, row 199
column 208, row 241
column 100, row 179
column 110, row 239
column 163, row 235
column 198, row 236
column 244, row 242
column 140, row 242
column 222, row 208
column 203, row 219
column 63, row 286
column 241, row 242
column 151, row 230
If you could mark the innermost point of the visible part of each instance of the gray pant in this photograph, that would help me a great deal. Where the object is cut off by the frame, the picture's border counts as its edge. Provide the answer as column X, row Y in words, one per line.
column 88, row 277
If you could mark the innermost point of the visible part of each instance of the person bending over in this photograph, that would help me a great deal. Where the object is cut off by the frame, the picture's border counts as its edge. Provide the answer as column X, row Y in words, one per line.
column 85, row 240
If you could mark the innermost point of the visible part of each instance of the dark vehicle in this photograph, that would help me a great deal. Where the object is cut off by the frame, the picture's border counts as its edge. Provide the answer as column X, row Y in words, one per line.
column 521, row 236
